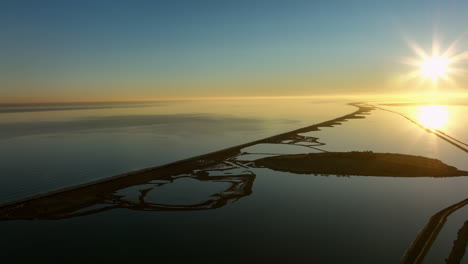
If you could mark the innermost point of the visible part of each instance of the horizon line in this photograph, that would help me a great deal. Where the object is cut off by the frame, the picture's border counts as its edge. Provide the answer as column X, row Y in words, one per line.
column 208, row 98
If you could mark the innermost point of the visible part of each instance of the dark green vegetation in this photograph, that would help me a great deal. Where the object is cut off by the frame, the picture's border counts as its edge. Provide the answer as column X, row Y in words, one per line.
column 361, row 163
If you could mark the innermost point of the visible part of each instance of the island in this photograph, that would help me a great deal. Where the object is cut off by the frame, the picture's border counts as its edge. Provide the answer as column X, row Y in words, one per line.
column 365, row 163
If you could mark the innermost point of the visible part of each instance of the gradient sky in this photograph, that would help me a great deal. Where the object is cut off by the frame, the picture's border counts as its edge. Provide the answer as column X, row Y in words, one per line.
column 117, row 50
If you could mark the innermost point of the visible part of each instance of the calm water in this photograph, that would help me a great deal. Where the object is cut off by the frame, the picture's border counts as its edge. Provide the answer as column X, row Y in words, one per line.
column 271, row 216
column 43, row 150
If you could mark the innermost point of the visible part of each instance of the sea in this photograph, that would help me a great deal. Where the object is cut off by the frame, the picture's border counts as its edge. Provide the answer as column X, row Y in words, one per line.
column 279, row 217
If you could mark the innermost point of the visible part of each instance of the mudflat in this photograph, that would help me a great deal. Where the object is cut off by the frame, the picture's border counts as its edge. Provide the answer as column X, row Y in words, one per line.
column 361, row 163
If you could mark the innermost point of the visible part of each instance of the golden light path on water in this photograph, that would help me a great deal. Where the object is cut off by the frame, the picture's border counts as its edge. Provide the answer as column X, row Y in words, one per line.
column 433, row 116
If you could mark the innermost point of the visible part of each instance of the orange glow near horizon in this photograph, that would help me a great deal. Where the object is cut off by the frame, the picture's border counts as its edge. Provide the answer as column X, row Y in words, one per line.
column 424, row 97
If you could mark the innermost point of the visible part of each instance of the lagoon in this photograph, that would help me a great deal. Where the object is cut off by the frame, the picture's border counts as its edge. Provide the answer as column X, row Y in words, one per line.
column 224, row 208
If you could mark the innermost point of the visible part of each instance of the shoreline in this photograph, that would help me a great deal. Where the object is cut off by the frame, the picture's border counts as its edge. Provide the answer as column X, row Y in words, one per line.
column 183, row 165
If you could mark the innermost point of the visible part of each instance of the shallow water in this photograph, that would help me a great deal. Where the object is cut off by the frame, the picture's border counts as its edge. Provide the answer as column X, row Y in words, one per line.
column 453, row 116
column 289, row 217
column 389, row 133
column 236, row 212
column 46, row 150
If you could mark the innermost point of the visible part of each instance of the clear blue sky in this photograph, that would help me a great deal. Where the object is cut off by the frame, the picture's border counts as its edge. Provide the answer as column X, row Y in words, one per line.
column 67, row 50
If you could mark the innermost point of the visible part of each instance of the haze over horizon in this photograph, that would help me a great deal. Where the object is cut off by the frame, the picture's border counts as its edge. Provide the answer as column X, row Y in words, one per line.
column 125, row 50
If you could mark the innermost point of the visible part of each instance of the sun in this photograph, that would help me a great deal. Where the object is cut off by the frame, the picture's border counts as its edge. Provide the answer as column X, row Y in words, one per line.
column 435, row 67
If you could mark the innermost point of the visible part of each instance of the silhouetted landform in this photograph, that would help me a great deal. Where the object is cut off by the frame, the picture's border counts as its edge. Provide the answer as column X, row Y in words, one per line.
column 105, row 195
column 360, row 163
column 39, row 107
column 419, row 248
column 451, row 103
column 100, row 195
column 459, row 245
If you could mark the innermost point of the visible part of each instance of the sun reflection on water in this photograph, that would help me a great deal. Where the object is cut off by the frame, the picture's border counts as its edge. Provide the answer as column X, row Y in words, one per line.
column 433, row 116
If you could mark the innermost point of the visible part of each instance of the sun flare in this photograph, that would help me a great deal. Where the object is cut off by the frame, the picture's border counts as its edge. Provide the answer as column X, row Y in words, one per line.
column 433, row 116
column 435, row 67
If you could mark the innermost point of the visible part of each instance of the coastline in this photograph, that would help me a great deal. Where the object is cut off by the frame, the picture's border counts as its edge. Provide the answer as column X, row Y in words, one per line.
column 180, row 166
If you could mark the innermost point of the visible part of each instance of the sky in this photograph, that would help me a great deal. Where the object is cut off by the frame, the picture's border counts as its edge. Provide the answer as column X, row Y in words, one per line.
column 136, row 50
